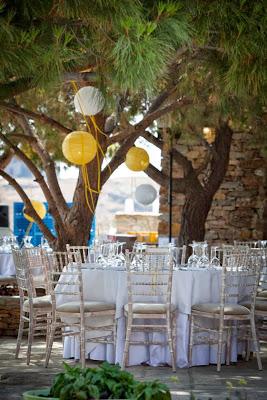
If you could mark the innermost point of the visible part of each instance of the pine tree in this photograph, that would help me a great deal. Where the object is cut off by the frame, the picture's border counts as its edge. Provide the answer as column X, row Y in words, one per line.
column 196, row 59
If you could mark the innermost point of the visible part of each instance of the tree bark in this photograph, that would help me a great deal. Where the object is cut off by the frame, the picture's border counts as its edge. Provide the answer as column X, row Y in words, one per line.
column 198, row 198
column 194, row 215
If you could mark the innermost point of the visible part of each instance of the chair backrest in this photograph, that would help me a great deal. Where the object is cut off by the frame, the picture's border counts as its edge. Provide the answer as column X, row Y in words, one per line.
column 83, row 250
column 64, row 276
column 153, row 282
column 37, row 269
column 262, row 253
column 24, row 282
column 251, row 244
column 240, row 277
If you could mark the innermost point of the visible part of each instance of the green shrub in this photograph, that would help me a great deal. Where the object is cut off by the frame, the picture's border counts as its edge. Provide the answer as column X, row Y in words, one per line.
column 106, row 382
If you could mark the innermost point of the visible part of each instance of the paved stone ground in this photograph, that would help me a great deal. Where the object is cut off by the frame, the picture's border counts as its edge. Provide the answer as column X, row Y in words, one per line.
column 196, row 383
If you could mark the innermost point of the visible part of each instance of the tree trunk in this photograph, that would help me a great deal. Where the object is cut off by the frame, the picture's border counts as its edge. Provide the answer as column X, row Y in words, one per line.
column 198, row 198
column 194, row 215
column 79, row 218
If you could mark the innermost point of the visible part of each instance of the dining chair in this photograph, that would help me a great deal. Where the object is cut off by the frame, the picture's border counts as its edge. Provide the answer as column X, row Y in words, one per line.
column 35, row 310
column 236, row 309
column 261, row 298
column 149, row 300
column 82, row 250
column 72, row 313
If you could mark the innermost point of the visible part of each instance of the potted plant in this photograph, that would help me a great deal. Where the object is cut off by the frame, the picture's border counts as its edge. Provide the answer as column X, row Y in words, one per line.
column 106, row 382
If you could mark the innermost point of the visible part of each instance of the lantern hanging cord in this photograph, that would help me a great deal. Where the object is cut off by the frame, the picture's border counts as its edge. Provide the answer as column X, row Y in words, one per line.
column 97, row 129
column 87, row 188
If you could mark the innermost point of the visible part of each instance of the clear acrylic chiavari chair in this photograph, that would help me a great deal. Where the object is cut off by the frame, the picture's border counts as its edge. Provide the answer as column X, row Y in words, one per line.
column 35, row 310
column 72, row 313
column 149, row 300
column 236, row 309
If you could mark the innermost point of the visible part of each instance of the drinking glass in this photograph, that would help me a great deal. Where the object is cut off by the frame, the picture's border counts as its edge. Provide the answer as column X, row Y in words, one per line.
column 214, row 262
column 193, row 259
column 27, row 242
column 203, row 259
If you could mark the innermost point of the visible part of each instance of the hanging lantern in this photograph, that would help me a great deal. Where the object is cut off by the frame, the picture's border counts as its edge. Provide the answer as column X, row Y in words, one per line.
column 137, row 159
column 145, row 194
column 39, row 208
column 209, row 134
column 89, row 101
column 79, row 147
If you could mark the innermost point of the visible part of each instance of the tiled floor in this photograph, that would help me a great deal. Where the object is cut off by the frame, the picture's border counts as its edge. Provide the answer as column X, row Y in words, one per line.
column 194, row 383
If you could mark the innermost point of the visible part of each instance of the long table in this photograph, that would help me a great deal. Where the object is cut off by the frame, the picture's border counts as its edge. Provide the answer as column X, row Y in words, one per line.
column 110, row 285
column 7, row 266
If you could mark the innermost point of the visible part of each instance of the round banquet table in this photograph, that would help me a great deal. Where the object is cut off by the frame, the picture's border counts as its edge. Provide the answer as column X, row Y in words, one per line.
column 110, row 285
column 7, row 266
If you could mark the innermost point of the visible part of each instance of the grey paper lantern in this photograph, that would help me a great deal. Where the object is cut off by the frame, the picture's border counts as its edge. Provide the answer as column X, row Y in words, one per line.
column 145, row 194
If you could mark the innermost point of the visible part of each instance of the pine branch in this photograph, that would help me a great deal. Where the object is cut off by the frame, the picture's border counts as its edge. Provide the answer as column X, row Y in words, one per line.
column 38, row 178
column 219, row 165
column 15, row 109
column 179, row 184
column 6, row 157
column 47, row 162
column 11, row 89
column 149, row 118
column 183, row 161
column 28, row 205
column 152, row 139
column 157, row 176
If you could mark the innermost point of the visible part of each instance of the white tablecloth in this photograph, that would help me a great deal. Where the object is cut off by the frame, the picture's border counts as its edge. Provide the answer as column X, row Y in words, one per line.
column 189, row 287
column 7, row 266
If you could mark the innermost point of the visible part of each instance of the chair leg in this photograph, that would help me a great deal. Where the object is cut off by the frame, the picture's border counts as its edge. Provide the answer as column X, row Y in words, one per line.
column 170, row 342
column 20, row 334
column 255, row 342
column 115, row 334
column 174, row 335
column 48, row 329
column 191, row 340
column 30, row 338
column 228, row 346
column 219, row 353
column 248, row 350
column 127, row 342
column 50, row 342
column 82, row 347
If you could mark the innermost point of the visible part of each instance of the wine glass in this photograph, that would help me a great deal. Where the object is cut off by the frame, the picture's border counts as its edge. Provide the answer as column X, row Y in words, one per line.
column 27, row 242
column 214, row 262
column 193, row 259
column 203, row 260
column 14, row 242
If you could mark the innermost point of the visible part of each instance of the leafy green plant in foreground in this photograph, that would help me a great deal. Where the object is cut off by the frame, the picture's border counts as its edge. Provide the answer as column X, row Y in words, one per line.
column 106, row 382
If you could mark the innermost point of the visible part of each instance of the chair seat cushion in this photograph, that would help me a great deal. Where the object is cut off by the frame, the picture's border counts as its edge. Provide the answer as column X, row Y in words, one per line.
column 43, row 302
column 214, row 308
column 89, row 306
column 260, row 305
column 149, row 308
column 262, row 294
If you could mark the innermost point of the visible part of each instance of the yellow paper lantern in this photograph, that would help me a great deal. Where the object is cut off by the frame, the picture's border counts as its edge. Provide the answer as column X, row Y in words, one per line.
column 39, row 208
column 137, row 159
column 79, row 147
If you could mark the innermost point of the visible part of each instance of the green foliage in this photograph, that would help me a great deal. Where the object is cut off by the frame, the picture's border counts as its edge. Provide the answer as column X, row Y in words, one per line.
column 107, row 381
column 127, row 43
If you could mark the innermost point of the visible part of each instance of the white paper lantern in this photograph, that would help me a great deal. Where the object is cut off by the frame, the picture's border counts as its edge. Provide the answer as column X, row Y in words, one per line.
column 145, row 194
column 89, row 100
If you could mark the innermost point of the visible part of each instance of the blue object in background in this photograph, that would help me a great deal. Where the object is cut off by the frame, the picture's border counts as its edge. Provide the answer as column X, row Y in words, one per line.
column 21, row 224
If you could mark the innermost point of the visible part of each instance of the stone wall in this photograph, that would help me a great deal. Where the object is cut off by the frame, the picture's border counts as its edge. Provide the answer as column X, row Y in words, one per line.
column 9, row 315
column 238, row 206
